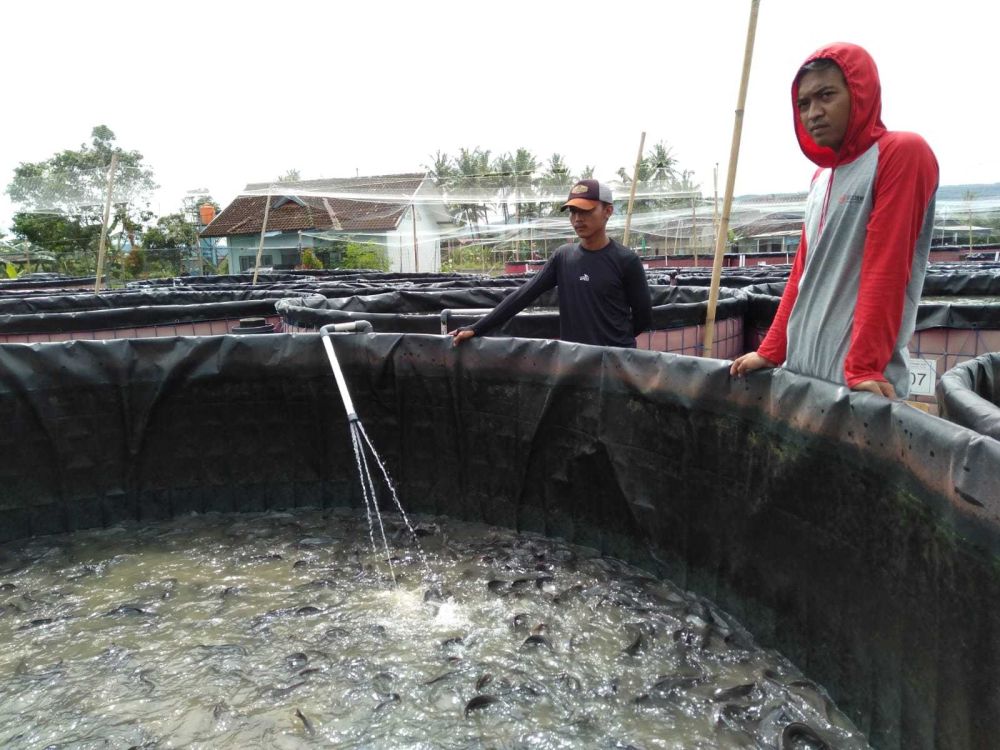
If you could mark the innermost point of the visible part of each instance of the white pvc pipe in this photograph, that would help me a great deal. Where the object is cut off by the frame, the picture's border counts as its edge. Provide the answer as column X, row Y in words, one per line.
column 338, row 374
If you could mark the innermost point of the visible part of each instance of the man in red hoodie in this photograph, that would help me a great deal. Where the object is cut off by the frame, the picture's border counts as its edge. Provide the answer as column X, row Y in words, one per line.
column 850, row 304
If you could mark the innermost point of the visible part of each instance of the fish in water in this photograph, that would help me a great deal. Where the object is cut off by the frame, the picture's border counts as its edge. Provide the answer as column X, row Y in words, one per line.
column 282, row 692
column 127, row 610
column 479, row 702
column 319, row 583
column 141, row 674
column 265, row 558
column 42, row 621
column 797, row 735
column 441, row 677
column 483, row 681
column 391, row 700
column 537, row 640
column 383, row 681
column 225, row 649
column 727, row 695
column 636, row 646
column 310, row 730
column 571, row 683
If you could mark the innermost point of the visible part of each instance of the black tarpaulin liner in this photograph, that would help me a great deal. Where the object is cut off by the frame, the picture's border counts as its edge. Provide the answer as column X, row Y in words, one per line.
column 856, row 535
column 67, row 314
column 64, row 282
column 969, row 394
column 983, row 282
column 965, row 312
column 81, row 302
column 412, row 311
column 307, row 276
column 741, row 277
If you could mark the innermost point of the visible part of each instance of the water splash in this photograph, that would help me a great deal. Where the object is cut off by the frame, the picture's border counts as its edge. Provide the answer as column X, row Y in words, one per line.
column 369, row 494
column 362, row 446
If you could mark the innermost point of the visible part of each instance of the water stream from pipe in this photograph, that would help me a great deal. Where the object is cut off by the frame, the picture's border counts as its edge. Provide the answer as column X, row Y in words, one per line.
column 363, row 447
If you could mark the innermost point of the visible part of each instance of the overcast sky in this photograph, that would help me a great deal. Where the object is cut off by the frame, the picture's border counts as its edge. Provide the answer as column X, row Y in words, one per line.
column 216, row 95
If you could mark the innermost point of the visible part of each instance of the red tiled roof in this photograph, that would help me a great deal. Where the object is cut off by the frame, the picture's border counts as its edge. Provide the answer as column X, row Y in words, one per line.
column 246, row 213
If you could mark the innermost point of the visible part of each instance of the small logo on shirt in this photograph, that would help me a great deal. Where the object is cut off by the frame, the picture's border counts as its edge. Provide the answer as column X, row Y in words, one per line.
column 845, row 199
column 585, row 277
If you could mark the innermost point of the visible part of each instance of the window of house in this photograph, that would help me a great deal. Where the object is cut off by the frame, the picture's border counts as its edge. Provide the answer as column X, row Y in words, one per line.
column 247, row 261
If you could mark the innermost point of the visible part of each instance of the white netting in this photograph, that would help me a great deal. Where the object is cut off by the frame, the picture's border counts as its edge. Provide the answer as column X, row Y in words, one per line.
column 663, row 219
column 78, row 192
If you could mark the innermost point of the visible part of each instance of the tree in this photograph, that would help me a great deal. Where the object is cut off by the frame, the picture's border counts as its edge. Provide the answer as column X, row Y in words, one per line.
column 172, row 230
column 441, row 170
column 658, row 172
column 61, row 200
column 364, row 255
column 292, row 175
column 309, row 259
column 467, row 173
column 556, row 178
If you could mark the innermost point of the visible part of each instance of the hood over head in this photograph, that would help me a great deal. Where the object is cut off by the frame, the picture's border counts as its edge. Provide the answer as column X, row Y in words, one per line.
column 865, row 125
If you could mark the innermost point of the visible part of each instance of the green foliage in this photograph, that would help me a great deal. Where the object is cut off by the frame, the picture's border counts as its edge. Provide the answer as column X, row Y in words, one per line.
column 11, row 270
column 61, row 200
column 658, row 169
column 172, row 230
column 309, row 259
column 364, row 255
column 57, row 234
column 135, row 262
column 472, row 258
column 507, row 181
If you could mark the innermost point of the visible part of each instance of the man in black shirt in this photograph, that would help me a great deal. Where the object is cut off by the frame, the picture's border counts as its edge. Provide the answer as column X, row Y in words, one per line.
column 603, row 295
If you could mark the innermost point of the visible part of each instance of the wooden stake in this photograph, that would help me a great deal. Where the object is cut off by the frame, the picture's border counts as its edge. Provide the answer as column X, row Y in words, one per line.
column 631, row 196
column 263, row 229
column 727, row 203
column 104, row 225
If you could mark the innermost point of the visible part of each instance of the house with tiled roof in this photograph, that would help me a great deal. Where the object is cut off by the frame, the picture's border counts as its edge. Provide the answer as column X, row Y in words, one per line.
column 401, row 215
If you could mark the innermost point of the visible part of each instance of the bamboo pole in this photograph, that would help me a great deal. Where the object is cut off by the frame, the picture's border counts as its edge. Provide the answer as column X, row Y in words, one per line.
column 104, row 225
column 416, row 254
column 631, row 195
column 727, row 203
column 260, row 246
column 715, row 205
column 694, row 221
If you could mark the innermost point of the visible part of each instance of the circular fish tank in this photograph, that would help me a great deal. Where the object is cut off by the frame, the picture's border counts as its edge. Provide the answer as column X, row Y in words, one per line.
column 606, row 525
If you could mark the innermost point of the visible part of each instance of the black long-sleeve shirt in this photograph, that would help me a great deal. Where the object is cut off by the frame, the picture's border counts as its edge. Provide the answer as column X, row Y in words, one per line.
column 603, row 295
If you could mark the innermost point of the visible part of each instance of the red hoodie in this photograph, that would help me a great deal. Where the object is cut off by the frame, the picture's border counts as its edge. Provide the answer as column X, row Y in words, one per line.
column 849, row 307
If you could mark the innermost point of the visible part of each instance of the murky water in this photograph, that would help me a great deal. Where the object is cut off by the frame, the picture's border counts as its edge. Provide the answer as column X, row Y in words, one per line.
column 283, row 630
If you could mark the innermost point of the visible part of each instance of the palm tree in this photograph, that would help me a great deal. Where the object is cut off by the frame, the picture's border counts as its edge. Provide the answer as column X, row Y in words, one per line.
column 441, row 170
column 472, row 169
